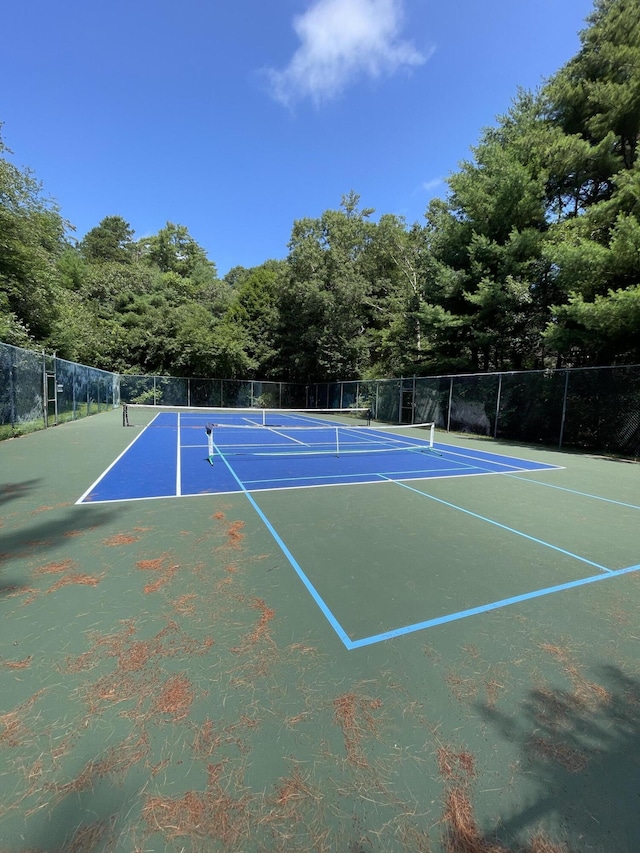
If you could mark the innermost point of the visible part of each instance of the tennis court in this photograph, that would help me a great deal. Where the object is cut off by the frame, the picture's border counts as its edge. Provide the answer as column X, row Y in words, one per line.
column 292, row 450
column 314, row 632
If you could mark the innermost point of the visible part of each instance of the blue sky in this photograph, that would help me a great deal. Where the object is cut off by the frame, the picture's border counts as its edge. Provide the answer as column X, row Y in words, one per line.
column 237, row 118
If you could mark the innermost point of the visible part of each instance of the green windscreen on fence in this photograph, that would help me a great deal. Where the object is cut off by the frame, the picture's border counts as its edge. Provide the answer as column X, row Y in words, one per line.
column 595, row 408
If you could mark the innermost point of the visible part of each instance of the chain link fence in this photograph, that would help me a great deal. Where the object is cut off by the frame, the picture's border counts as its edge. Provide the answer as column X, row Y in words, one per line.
column 38, row 390
column 595, row 409
column 229, row 393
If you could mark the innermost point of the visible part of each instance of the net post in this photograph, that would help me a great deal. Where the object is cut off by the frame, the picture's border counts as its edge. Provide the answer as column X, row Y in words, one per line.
column 337, row 443
column 209, row 431
column 432, row 433
column 125, row 415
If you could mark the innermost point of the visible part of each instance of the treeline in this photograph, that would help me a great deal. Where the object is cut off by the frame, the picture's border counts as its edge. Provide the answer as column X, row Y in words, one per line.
column 533, row 259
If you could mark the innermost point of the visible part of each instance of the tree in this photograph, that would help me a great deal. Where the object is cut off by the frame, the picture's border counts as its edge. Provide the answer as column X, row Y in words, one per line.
column 173, row 249
column 594, row 247
column 32, row 236
column 322, row 332
column 254, row 310
column 596, row 96
column 111, row 240
column 487, row 242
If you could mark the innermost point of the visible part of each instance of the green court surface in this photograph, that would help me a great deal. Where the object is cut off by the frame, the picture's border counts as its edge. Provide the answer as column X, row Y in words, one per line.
column 435, row 665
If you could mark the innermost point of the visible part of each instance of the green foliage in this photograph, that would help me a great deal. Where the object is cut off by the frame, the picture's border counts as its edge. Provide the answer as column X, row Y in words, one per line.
column 604, row 331
column 322, row 301
column 111, row 240
column 173, row 249
column 31, row 239
column 532, row 259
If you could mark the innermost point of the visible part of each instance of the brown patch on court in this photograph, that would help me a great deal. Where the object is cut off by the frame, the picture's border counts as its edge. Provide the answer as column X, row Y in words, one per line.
column 185, row 604
column 586, row 693
column 297, row 802
column 76, row 578
column 55, row 568
column 69, row 577
column 115, row 763
column 19, row 664
column 261, row 630
column 354, row 715
column 164, row 565
column 213, row 814
column 458, row 766
column 176, row 697
column 13, row 728
column 233, row 533
column 212, row 735
column 464, row 689
column 93, row 836
column 135, row 678
column 121, row 539
column 462, row 833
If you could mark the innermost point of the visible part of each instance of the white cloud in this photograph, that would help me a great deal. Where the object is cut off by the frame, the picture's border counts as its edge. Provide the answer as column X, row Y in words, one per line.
column 341, row 41
column 433, row 184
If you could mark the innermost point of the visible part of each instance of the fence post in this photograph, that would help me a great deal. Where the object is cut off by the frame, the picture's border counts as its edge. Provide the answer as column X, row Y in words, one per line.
column 449, row 404
column 45, row 391
column 495, row 426
column 413, row 401
column 12, row 387
column 564, row 407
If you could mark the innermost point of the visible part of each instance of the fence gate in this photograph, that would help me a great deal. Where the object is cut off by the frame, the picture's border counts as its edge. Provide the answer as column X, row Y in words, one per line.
column 407, row 400
column 50, row 392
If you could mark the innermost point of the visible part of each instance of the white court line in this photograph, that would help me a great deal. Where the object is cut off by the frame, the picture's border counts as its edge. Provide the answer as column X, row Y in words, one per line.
column 178, row 466
column 115, row 461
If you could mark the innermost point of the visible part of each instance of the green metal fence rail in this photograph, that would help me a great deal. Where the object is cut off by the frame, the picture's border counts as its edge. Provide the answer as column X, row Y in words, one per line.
column 595, row 408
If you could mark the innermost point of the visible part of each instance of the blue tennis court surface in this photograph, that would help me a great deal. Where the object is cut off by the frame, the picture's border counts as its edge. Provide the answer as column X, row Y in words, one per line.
column 170, row 458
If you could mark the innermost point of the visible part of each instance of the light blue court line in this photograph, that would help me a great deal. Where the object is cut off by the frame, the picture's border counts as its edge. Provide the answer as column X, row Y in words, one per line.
column 495, row 460
column 417, row 475
column 515, row 476
column 485, row 608
column 337, row 627
column 571, row 491
column 429, row 623
column 501, row 526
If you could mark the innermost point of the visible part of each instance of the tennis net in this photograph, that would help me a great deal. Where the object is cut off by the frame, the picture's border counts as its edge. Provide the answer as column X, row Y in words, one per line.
column 337, row 439
column 281, row 432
